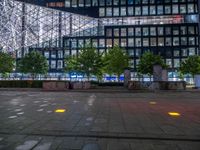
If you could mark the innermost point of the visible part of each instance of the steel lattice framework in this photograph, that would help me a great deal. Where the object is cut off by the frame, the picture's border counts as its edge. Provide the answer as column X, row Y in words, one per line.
column 24, row 25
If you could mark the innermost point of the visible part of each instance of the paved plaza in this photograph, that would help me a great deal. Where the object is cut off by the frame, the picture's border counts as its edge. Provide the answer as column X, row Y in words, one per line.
column 36, row 120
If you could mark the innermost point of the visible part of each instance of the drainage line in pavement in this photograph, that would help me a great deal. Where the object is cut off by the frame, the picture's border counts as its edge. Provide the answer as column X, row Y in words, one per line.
column 109, row 137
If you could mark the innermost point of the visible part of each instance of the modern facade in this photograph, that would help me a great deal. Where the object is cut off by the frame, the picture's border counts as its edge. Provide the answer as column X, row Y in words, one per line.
column 59, row 28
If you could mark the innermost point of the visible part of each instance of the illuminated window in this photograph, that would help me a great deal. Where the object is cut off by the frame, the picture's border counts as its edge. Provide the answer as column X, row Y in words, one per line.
column 115, row 11
column 108, row 2
column 153, row 42
column 88, row 3
column 53, row 64
column 81, row 3
column 130, row 42
column 130, row 11
column 74, row 3
column 167, row 9
column 145, row 10
column 160, row 41
column 94, row 3
column 153, row 31
column 123, row 11
column 191, row 51
column 60, row 54
column 138, row 42
column 67, row 3
column 190, row 8
column 175, row 9
column 138, row 31
column 130, row 31
column 60, row 64
column 176, row 63
column 109, row 43
column 145, row 41
column 176, row 53
column 183, row 41
column 182, row 9
column 168, row 41
column 175, row 41
column 109, row 11
column 123, row 42
column 152, row 10
column 101, row 12
column 123, row 32
column 137, row 11
column 145, row 31
column 102, row 2
column 116, row 32
column 101, row 43
column 191, row 40
column 183, row 30
column 116, row 2
column 184, row 52
column 160, row 9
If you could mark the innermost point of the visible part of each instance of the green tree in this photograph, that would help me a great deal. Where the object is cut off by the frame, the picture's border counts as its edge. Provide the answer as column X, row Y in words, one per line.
column 147, row 61
column 191, row 65
column 116, row 61
column 88, row 62
column 6, row 63
column 33, row 63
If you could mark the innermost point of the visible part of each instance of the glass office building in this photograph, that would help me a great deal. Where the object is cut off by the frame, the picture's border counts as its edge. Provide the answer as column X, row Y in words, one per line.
column 169, row 28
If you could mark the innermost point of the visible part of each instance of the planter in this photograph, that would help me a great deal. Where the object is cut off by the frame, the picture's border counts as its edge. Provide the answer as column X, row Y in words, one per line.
column 81, row 85
column 197, row 81
column 157, row 85
column 55, row 85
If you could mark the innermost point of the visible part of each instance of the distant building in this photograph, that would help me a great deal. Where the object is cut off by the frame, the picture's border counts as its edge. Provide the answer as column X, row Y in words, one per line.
column 165, row 27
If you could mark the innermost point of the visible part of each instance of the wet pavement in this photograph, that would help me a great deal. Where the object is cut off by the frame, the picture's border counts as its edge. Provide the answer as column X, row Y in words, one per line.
column 99, row 121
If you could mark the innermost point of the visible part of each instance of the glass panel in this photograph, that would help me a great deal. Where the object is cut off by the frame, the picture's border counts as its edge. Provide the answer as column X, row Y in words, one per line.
column 130, row 42
column 123, row 31
column 167, row 9
column 153, row 31
column 168, row 41
column 138, row 31
column 175, row 41
column 160, row 10
column 116, row 11
column 130, row 31
column 145, row 41
column 138, row 42
column 152, row 10
column 153, row 42
column 145, row 31
column 116, row 32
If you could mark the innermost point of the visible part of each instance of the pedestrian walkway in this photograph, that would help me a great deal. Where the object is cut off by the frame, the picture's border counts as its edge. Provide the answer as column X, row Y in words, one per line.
column 99, row 120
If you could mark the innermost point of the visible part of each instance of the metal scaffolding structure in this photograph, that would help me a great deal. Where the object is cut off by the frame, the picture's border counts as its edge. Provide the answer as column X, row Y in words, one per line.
column 24, row 25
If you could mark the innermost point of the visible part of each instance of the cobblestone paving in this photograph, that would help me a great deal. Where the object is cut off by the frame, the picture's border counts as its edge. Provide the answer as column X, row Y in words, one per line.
column 99, row 121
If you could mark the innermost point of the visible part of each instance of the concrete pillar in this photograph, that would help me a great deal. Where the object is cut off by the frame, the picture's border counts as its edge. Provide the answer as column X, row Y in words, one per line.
column 157, row 73
column 127, row 77
column 164, row 75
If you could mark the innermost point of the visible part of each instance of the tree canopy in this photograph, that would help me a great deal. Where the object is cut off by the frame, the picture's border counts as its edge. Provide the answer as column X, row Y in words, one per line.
column 33, row 63
column 191, row 65
column 116, row 61
column 88, row 62
column 147, row 61
column 6, row 63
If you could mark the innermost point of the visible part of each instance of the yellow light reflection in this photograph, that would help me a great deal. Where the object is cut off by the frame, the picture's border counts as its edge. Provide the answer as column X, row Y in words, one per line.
column 60, row 110
column 175, row 114
column 153, row 103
